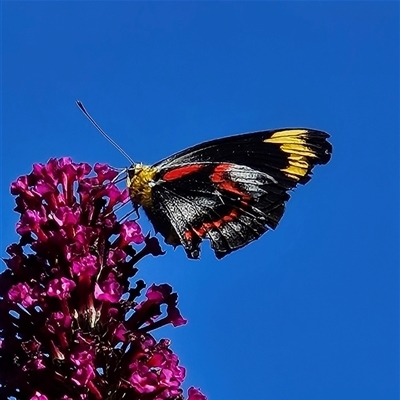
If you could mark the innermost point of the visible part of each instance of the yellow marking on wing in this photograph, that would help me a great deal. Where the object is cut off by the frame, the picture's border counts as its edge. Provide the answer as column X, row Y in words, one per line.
column 296, row 171
column 287, row 136
column 285, row 140
column 289, row 175
column 299, row 164
column 139, row 184
column 293, row 142
column 298, row 149
column 288, row 132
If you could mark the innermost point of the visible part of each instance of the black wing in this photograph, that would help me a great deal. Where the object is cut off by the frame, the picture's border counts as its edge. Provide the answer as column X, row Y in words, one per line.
column 191, row 208
column 234, row 189
column 292, row 151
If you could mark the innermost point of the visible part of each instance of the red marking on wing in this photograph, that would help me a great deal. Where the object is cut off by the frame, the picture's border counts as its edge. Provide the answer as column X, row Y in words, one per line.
column 218, row 176
column 232, row 216
column 220, row 179
column 188, row 236
column 180, row 172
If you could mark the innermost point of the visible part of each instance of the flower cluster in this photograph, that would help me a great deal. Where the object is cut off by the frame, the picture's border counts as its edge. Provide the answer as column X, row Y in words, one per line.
column 71, row 324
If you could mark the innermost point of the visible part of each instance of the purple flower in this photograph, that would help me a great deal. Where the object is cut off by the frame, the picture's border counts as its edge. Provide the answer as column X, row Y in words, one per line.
column 108, row 290
column 22, row 293
column 71, row 326
column 131, row 232
column 60, row 288
column 86, row 265
column 195, row 394
column 39, row 396
column 149, row 311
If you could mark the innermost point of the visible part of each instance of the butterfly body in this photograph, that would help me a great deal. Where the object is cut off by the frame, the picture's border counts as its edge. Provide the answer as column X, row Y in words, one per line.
column 229, row 190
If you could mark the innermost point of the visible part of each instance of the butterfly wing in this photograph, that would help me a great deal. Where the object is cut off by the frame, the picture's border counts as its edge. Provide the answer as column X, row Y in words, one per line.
column 193, row 207
column 232, row 190
column 293, row 152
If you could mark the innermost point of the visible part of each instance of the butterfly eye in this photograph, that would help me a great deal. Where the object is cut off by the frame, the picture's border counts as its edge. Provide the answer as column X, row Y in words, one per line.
column 131, row 171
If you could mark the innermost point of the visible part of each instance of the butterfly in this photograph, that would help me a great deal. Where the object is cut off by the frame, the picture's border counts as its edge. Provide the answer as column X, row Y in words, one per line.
column 229, row 191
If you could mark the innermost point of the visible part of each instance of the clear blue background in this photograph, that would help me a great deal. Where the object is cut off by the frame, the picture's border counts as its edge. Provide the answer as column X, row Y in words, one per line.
column 309, row 311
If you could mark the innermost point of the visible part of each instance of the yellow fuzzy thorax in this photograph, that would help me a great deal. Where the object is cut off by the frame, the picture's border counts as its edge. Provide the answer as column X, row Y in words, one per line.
column 140, row 183
column 294, row 143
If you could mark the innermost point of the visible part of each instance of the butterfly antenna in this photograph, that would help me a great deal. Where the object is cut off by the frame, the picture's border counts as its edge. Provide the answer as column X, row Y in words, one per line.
column 96, row 125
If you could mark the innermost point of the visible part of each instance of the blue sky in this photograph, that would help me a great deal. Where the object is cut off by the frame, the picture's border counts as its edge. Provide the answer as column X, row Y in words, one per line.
column 310, row 311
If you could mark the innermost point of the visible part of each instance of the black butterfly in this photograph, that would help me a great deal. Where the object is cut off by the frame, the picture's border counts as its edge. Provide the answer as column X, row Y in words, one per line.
column 230, row 190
